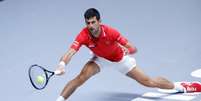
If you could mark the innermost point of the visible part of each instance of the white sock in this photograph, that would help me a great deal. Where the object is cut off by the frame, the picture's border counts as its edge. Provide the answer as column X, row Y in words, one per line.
column 60, row 98
column 179, row 87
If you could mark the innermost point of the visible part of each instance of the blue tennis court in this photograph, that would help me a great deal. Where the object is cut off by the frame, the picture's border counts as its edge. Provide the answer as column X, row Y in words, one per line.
column 167, row 34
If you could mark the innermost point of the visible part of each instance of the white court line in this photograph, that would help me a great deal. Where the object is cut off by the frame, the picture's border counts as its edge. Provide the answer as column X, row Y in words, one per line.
column 150, row 96
column 196, row 73
column 141, row 99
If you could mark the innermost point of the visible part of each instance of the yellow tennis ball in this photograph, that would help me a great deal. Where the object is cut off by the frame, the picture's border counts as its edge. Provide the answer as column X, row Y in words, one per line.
column 40, row 79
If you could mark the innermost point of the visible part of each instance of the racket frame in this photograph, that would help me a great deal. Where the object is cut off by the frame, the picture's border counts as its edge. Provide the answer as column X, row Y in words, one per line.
column 46, row 72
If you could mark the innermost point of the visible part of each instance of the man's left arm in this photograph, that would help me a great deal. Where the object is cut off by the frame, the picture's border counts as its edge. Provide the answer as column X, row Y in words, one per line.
column 127, row 46
column 130, row 49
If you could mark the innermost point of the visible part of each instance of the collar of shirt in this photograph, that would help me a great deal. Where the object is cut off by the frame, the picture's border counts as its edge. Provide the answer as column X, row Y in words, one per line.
column 103, row 34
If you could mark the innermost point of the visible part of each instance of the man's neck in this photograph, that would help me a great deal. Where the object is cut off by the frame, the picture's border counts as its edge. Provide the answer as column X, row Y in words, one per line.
column 98, row 34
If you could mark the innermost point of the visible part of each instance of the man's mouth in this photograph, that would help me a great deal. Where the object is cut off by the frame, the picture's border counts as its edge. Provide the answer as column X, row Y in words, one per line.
column 91, row 29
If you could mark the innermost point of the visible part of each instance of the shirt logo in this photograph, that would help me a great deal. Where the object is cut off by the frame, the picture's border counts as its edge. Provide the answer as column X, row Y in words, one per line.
column 91, row 46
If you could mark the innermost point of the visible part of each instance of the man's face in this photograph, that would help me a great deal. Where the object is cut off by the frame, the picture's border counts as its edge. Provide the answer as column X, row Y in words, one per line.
column 94, row 26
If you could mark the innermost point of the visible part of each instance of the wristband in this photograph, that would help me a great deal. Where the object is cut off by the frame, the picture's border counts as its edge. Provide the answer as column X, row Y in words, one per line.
column 131, row 50
column 62, row 63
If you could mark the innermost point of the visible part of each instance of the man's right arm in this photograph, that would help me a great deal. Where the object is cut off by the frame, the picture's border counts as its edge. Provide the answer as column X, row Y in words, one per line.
column 68, row 55
column 65, row 59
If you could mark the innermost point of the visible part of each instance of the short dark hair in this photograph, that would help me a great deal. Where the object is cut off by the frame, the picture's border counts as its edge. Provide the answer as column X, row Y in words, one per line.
column 92, row 12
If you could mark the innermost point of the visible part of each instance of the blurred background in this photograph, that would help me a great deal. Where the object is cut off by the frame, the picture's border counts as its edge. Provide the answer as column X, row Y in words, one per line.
column 167, row 34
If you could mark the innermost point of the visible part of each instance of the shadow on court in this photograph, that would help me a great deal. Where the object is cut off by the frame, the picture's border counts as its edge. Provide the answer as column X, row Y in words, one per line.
column 114, row 96
column 119, row 96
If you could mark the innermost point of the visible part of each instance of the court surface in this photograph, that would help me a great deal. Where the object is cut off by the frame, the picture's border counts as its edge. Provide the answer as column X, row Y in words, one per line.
column 167, row 34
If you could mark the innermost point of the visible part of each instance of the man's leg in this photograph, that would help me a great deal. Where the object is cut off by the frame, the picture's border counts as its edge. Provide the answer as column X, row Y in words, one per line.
column 137, row 74
column 90, row 69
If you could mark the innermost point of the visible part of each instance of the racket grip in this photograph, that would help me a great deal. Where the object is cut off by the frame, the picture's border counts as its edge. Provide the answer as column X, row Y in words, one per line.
column 57, row 72
column 60, row 69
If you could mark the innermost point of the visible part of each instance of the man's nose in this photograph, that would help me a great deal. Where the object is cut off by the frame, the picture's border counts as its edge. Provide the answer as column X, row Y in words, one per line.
column 90, row 25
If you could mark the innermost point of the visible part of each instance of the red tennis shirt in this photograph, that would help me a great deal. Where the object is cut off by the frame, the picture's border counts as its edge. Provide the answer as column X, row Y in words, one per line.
column 107, row 45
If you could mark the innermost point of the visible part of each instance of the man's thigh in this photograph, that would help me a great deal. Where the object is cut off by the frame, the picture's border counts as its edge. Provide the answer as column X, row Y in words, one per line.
column 90, row 68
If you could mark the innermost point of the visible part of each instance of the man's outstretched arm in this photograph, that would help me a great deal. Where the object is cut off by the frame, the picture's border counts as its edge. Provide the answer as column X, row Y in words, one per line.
column 65, row 59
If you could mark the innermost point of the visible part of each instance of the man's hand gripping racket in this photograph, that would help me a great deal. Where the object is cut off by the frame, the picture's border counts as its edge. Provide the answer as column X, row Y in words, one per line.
column 60, row 68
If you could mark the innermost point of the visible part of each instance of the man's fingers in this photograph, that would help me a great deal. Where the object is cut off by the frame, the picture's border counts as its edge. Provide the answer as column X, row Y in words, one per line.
column 57, row 72
column 60, row 70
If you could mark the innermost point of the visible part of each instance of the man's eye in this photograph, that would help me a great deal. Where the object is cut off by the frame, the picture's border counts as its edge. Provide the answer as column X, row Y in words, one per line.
column 93, row 22
column 88, row 23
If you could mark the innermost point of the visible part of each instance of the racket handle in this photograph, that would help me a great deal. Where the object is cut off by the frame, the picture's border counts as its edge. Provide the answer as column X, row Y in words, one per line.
column 57, row 72
column 60, row 69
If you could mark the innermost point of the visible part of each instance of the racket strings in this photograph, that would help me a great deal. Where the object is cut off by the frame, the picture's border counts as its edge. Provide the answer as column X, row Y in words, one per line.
column 38, row 77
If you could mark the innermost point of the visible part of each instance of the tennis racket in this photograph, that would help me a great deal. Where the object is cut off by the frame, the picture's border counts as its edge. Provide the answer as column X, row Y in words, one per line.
column 39, row 76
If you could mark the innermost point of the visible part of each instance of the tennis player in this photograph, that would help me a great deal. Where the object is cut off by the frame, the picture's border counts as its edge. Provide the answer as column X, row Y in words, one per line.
column 110, row 48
